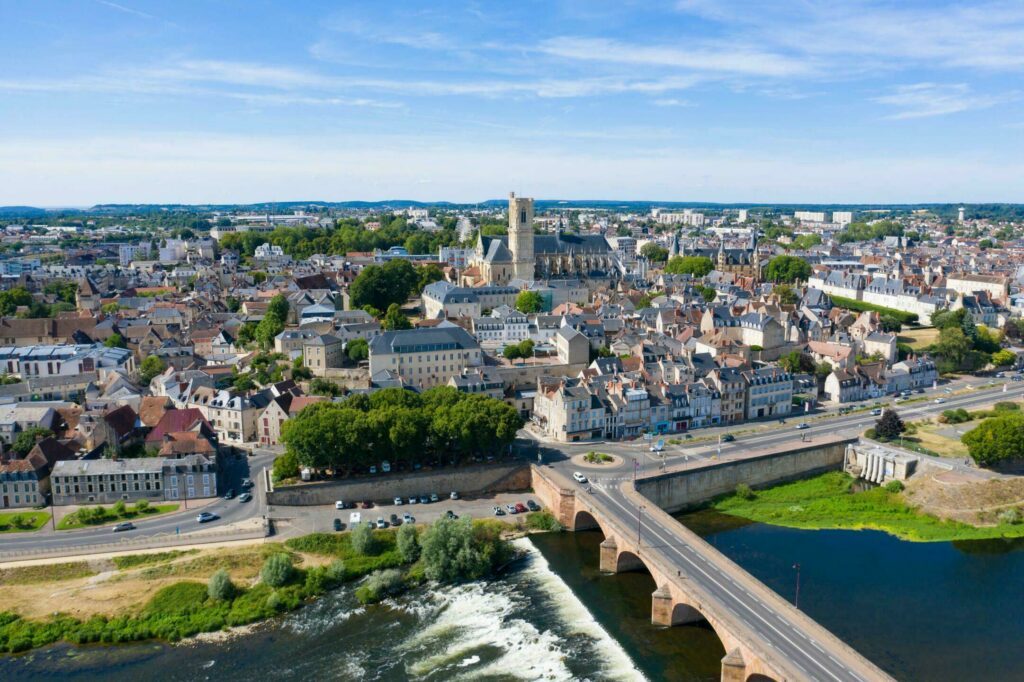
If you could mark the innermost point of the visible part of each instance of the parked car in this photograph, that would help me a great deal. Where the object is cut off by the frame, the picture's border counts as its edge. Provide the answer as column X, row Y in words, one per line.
column 246, row 483
column 339, row 505
column 381, row 523
column 424, row 499
column 205, row 517
column 580, row 478
column 532, row 506
column 354, row 519
column 521, row 508
column 728, row 438
column 408, row 518
column 1017, row 377
column 371, row 525
column 414, row 500
column 396, row 520
column 510, row 508
column 920, row 390
column 451, row 515
column 121, row 527
column 399, row 502
column 373, row 469
column 453, row 495
column 367, row 504
column 230, row 494
column 244, row 497
column 385, row 467
column 802, row 425
column 498, row 511
column 338, row 525
column 434, row 497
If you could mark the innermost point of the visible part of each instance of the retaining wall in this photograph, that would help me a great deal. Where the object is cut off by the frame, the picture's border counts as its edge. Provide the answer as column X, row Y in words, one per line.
column 473, row 480
column 674, row 491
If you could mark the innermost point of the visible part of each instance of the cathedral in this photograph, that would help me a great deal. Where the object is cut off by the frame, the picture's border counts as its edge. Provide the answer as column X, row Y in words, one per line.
column 526, row 256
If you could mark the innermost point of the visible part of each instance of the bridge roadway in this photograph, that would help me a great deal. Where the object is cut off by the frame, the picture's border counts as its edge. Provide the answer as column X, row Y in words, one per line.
column 781, row 642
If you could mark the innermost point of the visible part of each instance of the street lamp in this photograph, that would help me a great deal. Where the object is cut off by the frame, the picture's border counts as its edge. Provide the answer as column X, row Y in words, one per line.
column 796, row 600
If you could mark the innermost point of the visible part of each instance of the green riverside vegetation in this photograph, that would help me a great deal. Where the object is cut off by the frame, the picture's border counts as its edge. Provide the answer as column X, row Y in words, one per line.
column 449, row 550
column 25, row 521
column 829, row 502
column 99, row 515
column 861, row 306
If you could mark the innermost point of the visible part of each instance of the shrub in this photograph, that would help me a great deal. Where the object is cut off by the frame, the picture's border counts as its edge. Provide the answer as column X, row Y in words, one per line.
column 277, row 570
column 744, row 492
column 542, row 520
column 1009, row 516
column 220, row 587
column 894, row 486
column 274, row 602
column 142, row 506
column 1006, row 407
column 18, row 521
column 119, row 508
column 408, row 543
column 336, row 570
column 379, row 585
column 362, row 540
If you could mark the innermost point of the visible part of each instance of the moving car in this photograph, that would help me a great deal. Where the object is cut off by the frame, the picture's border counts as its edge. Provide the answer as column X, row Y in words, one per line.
column 939, row 401
column 802, row 425
column 204, row 517
column 244, row 497
column 121, row 527
column 533, row 506
column 728, row 438
column 338, row 525
column 876, row 412
column 580, row 478
column 498, row 511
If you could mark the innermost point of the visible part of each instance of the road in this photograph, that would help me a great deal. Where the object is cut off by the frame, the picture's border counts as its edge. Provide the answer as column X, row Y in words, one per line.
column 811, row 650
column 184, row 521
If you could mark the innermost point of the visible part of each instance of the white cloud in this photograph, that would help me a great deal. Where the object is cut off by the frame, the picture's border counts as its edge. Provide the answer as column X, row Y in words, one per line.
column 923, row 100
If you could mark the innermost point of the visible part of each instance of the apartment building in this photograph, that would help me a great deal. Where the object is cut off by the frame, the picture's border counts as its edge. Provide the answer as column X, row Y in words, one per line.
column 732, row 389
column 769, row 392
column 105, row 481
column 425, row 357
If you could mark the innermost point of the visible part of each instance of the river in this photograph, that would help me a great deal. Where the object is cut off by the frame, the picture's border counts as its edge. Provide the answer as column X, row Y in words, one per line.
column 936, row 611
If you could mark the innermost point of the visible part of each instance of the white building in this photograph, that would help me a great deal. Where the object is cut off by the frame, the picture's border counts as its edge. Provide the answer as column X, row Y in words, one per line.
column 810, row 216
column 842, row 217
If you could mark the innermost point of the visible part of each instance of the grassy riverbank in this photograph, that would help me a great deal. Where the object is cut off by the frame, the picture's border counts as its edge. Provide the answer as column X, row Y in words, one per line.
column 23, row 522
column 177, row 594
column 829, row 502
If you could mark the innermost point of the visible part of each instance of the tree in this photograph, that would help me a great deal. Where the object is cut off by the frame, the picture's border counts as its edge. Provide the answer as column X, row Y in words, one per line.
column 1004, row 358
column 358, row 350
column 889, row 425
column 286, row 466
column 277, row 570
column 698, row 266
column 794, row 362
column 278, row 308
column 394, row 319
column 115, row 340
column 889, row 323
column 788, row 269
column 150, row 367
column 529, row 302
column 26, row 440
column 220, row 587
column 320, row 386
column 362, row 540
column 408, row 543
column 427, row 274
column 953, row 346
column 382, row 285
column 453, row 550
column 654, row 253
column 119, row 508
column 787, row 295
column 709, row 294
column 996, row 440
column 12, row 299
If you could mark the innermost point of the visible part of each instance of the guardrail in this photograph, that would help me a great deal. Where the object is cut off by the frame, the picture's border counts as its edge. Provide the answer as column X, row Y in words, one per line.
column 149, row 542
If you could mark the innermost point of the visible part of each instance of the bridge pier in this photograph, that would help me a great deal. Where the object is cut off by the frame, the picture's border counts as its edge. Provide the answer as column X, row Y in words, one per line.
column 609, row 562
column 666, row 612
column 734, row 668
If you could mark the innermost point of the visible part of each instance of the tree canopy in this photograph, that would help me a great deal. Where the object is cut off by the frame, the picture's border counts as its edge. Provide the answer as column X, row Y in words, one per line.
column 151, row 366
column 654, row 253
column 529, row 302
column 787, row 269
column 381, row 285
column 399, row 425
column 995, row 440
column 698, row 266
column 394, row 319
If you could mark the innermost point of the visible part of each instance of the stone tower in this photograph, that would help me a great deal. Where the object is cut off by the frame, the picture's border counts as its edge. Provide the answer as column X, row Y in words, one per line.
column 520, row 236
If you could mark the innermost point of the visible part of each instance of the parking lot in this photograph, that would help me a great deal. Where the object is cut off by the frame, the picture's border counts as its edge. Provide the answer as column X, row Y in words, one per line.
column 302, row 520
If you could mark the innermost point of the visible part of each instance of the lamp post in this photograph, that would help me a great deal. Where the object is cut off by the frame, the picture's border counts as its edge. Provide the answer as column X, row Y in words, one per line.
column 796, row 600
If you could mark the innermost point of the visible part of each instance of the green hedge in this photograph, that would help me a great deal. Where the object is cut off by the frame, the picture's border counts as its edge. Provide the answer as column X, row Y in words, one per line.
column 861, row 306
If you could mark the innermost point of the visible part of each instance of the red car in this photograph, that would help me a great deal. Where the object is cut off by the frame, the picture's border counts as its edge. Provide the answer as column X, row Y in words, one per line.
column 367, row 505
column 520, row 508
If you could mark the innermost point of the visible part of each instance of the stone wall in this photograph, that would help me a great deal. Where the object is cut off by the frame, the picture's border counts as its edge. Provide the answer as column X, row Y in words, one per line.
column 467, row 481
column 674, row 491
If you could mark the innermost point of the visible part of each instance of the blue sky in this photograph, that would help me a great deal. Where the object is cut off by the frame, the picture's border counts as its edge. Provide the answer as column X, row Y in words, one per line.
column 686, row 100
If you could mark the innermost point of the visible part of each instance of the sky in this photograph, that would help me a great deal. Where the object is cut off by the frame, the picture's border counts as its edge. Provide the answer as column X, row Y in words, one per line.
column 234, row 101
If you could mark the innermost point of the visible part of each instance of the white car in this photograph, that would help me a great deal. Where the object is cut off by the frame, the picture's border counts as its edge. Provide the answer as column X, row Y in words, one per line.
column 802, row 425
column 453, row 496
column 876, row 412
column 399, row 501
column 408, row 518
column 580, row 478
column 939, row 401
column 339, row 505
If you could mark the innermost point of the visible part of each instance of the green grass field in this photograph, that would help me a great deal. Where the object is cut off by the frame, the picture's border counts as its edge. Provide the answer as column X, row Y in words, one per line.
column 72, row 521
column 30, row 521
column 828, row 502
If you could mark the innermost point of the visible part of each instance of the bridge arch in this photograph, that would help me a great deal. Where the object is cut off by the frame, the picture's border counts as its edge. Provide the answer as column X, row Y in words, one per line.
column 628, row 561
column 584, row 520
column 758, row 677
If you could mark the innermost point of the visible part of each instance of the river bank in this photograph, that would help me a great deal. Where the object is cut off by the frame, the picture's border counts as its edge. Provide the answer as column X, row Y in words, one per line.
column 834, row 501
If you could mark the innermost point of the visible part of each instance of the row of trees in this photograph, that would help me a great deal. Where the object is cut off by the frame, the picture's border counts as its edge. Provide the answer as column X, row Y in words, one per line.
column 398, row 425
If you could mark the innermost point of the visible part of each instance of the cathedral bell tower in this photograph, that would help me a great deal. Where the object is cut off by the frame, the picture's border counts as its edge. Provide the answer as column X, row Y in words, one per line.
column 520, row 236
